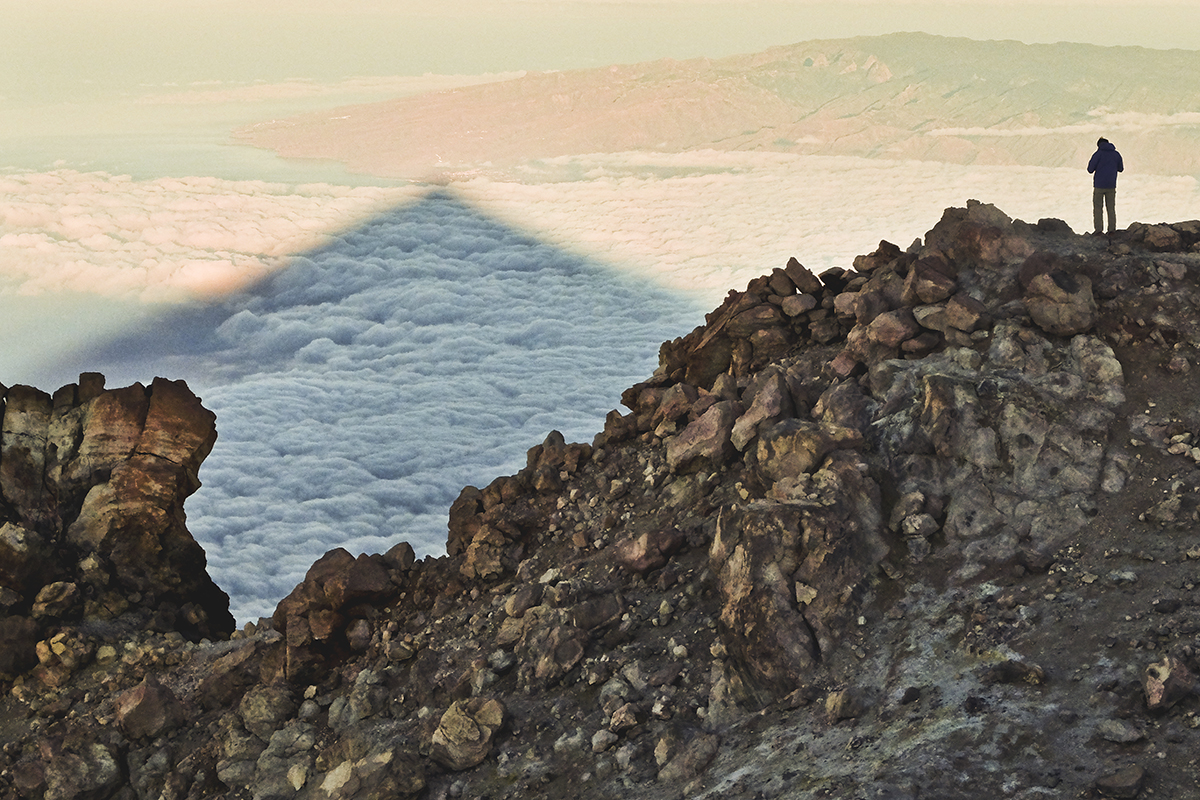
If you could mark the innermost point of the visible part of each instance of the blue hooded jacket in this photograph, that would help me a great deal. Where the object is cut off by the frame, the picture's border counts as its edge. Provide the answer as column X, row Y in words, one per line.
column 1105, row 164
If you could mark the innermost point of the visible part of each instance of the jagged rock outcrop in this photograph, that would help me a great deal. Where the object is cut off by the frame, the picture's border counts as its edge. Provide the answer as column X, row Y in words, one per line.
column 92, row 485
column 925, row 527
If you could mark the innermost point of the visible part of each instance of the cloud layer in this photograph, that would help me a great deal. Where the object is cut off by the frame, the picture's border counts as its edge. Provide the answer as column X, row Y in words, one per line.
column 161, row 240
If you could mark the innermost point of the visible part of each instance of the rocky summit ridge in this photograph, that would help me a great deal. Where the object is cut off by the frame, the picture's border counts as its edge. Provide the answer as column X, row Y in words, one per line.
column 926, row 527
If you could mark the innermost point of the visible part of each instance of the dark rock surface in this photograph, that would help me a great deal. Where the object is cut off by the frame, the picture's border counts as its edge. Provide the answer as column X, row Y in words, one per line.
column 923, row 528
column 92, row 529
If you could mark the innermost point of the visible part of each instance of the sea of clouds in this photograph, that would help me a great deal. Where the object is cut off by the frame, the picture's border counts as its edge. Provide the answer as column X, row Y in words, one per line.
column 369, row 351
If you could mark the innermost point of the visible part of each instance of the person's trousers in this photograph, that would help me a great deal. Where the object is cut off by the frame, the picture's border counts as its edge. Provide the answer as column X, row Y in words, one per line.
column 1100, row 199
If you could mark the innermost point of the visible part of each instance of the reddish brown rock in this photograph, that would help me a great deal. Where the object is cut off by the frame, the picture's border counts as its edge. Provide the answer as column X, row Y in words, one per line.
column 149, row 709
column 753, row 319
column 465, row 519
column 676, row 402
column 104, row 475
column 797, row 304
column 363, row 579
column 930, row 280
column 893, row 328
column 781, row 283
column 1162, row 238
column 804, row 280
column 883, row 255
column 705, row 441
column 649, row 550
column 965, row 312
column 1039, row 263
column 769, row 401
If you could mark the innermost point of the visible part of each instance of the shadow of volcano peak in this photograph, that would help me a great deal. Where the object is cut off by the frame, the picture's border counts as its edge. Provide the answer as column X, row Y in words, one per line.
column 424, row 267
column 358, row 389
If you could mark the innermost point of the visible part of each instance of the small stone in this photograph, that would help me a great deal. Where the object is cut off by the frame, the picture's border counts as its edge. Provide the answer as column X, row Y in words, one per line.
column 464, row 736
column 797, row 304
column 625, row 756
column 663, row 750
column 297, row 776
column 690, row 760
column 1122, row 576
column 602, row 740
column 358, row 635
column 846, row 704
column 623, row 719
column 1166, row 683
column 399, row 651
column 1116, row 730
column 922, row 525
column 55, row 599
column 918, row 548
column 1124, row 784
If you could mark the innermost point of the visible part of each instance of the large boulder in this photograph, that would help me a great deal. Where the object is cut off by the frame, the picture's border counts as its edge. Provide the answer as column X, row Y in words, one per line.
column 787, row 571
column 149, row 710
column 93, row 484
column 707, row 441
column 1061, row 303
column 315, row 616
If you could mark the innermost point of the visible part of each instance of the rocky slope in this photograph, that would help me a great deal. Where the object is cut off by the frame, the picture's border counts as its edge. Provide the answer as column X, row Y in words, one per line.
column 920, row 528
column 904, row 95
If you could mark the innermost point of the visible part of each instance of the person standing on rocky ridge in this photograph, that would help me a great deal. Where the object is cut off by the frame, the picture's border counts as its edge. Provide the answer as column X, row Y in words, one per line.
column 1104, row 165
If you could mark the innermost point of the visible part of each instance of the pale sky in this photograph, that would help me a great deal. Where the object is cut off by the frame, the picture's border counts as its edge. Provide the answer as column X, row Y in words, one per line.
column 72, row 48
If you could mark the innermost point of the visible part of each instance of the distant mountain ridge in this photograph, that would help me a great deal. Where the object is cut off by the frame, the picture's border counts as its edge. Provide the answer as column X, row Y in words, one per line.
column 904, row 96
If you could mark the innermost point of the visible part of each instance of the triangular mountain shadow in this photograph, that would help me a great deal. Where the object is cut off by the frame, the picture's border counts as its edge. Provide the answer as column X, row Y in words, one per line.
column 486, row 272
column 360, row 388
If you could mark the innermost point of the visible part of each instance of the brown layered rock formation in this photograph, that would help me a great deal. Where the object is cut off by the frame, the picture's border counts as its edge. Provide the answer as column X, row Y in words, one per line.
column 920, row 528
column 92, row 485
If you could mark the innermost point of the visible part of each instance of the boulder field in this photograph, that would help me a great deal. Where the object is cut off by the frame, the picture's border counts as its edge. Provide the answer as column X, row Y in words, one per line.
column 924, row 527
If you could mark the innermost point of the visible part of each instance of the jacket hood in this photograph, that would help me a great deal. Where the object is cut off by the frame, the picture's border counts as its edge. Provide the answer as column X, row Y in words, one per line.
column 1107, row 146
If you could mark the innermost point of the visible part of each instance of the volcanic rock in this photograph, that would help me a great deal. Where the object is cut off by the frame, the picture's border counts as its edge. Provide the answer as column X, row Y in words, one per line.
column 1061, row 304
column 852, row 528
column 149, row 710
column 464, row 735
